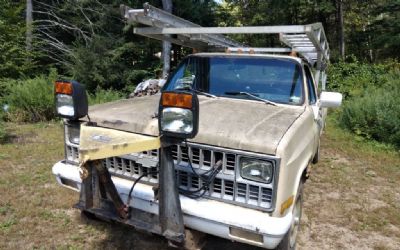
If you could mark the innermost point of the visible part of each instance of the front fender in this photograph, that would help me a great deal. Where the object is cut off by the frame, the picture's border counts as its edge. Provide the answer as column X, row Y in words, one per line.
column 296, row 149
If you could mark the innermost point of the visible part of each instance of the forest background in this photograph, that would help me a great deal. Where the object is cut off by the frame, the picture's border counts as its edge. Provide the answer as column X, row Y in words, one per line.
column 88, row 40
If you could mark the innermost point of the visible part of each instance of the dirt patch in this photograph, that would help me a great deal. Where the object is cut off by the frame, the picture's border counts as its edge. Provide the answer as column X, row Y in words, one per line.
column 348, row 205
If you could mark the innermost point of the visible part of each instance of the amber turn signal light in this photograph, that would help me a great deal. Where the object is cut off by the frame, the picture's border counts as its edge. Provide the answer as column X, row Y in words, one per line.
column 63, row 88
column 178, row 100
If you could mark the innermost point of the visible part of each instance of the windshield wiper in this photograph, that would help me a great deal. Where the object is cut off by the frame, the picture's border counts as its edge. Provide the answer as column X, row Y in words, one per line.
column 203, row 93
column 198, row 92
column 252, row 96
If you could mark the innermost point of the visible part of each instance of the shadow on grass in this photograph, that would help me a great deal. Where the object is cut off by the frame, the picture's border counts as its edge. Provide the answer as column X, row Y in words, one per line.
column 120, row 236
column 8, row 139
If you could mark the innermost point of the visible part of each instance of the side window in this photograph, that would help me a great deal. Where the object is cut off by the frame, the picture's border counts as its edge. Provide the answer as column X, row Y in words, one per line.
column 183, row 77
column 312, row 96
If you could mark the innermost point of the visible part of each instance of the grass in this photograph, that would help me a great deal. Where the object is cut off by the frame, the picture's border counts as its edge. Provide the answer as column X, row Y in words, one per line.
column 353, row 188
column 37, row 213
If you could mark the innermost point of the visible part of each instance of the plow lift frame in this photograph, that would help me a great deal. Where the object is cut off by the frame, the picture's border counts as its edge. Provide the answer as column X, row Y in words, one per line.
column 309, row 41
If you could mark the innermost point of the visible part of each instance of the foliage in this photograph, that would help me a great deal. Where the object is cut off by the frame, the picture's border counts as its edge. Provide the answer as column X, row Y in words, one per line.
column 199, row 12
column 2, row 132
column 30, row 100
column 385, row 29
column 371, row 28
column 91, row 42
column 103, row 96
column 104, row 63
column 255, row 13
column 374, row 112
column 88, row 41
column 15, row 61
column 353, row 77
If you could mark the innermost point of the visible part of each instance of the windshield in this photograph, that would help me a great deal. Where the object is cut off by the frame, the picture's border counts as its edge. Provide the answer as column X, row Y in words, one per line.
column 273, row 79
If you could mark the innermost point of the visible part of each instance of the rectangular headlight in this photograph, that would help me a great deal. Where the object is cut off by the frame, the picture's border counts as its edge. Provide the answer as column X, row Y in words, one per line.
column 178, row 114
column 65, row 105
column 177, row 120
column 256, row 170
column 74, row 132
column 70, row 99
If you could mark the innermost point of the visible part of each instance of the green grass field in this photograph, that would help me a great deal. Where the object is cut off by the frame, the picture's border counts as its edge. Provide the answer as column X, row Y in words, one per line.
column 352, row 199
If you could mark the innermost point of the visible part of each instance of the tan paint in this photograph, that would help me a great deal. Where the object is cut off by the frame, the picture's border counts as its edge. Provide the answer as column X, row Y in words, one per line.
column 296, row 150
column 224, row 122
column 99, row 143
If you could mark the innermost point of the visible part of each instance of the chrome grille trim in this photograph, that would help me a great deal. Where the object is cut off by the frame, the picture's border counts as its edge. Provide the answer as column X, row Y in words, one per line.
column 72, row 153
column 133, row 166
column 204, row 158
column 228, row 186
column 227, row 189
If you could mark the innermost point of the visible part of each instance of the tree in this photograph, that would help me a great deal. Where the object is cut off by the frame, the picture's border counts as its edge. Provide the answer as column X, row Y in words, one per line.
column 166, row 46
column 340, row 26
column 384, row 29
column 88, row 41
column 13, row 54
column 29, row 25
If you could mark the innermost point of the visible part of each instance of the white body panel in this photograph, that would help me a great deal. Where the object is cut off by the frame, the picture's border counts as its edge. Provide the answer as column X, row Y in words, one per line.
column 296, row 150
column 331, row 99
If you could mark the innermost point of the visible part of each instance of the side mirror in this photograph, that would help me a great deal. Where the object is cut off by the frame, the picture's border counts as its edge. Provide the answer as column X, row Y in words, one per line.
column 70, row 99
column 330, row 99
column 178, row 114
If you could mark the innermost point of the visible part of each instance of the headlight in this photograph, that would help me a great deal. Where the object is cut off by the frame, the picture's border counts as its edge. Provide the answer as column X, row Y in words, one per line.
column 256, row 170
column 178, row 114
column 65, row 105
column 177, row 120
column 70, row 99
column 74, row 132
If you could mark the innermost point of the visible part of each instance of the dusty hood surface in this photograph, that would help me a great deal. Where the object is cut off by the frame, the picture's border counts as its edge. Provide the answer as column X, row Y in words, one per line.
column 231, row 123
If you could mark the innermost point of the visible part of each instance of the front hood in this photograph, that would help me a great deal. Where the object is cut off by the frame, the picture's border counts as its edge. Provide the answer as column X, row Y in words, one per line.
column 224, row 122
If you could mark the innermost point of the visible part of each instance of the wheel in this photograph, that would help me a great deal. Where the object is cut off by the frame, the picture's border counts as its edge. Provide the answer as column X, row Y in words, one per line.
column 316, row 156
column 87, row 216
column 289, row 240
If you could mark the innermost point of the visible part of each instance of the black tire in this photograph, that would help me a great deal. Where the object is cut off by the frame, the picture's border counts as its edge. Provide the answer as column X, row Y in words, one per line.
column 87, row 216
column 315, row 159
column 290, row 239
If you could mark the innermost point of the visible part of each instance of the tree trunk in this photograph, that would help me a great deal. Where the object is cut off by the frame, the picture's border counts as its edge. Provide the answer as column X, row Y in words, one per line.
column 339, row 8
column 166, row 48
column 29, row 20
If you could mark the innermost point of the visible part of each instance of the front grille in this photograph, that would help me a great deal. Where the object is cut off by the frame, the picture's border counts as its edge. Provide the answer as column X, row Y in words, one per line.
column 204, row 158
column 72, row 153
column 226, row 186
column 132, row 168
column 222, row 189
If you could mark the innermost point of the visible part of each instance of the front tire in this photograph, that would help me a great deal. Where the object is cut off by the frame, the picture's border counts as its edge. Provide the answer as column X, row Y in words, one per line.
column 290, row 239
column 315, row 159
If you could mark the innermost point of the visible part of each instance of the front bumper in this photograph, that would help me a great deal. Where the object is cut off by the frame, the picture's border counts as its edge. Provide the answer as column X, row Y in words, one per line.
column 208, row 216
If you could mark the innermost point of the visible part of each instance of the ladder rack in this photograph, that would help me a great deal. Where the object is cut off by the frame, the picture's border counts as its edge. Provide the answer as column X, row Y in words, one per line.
column 160, row 19
column 309, row 41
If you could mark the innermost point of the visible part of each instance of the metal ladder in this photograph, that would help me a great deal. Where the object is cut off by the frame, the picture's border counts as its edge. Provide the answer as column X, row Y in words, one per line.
column 309, row 41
